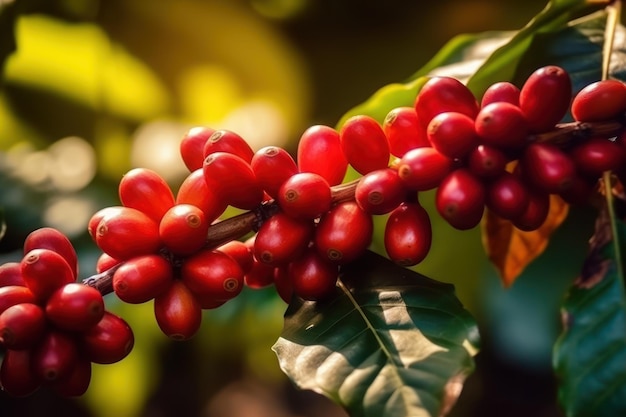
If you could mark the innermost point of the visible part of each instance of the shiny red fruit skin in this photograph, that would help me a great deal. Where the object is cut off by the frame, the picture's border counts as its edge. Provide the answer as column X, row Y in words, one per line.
column 547, row 168
column 212, row 276
column 50, row 238
column 105, row 262
column 127, row 233
column 380, row 191
column 282, row 239
column 460, row 199
column 55, row 356
column 146, row 191
column 109, row 341
column 75, row 307
column 545, row 97
column 502, row 125
column 500, row 92
column 364, row 144
column 312, row 276
column 224, row 140
column 305, row 195
column 536, row 213
column 260, row 275
column 22, row 326
column 319, row 151
column 486, row 161
column 601, row 100
column 283, row 284
column 444, row 94
column 344, row 233
column 240, row 252
column 594, row 156
column 76, row 382
column 404, row 131
column 507, row 196
column 272, row 166
column 11, row 274
column 15, row 294
column 177, row 312
column 423, row 169
column 194, row 191
column 94, row 221
column 192, row 146
column 16, row 377
column 142, row 278
column 44, row 271
column 232, row 180
column 408, row 234
column 452, row 134
column 183, row 229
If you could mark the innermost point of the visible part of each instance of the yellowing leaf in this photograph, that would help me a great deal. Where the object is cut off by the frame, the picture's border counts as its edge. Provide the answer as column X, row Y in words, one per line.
column 510, row 249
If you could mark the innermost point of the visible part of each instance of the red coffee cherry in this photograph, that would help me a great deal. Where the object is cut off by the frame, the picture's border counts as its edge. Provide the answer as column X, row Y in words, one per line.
column 601, row 100
column 105, row 262
column 380, row 191
column 21, row 326
column 126, row 233
column 192, row 146
column 305, row 196
column 16, row 377
column 212, row 277
column 272, row 166
column 44, row 271
column 452, row 134
column 260, row 275
column 282, row 239
column 227, row 141
column 581, row 190
column 460, row 199
column 146, row 191
column 536, row 213
column 486, row 161
column 545, row 97
column 11, row 274
column 312, row 276
column 408, row 234
column 344, row 233
column 240, row 252
column 282, row 282
column 55, row 356
column 49, row 238
column 109, row 341
column 195, row 191
column 547, row 167
column 364, row 144
column 507, row 196
column 594, row 156
column 502, row 125
column 423, row 169
column 76, row 382
column 404, row 131
column 319, row 151
column 183, row 229
column 177, row 312
column 142, row 278
column 444, row 94
column 500, row 92
column 232, row 179
column 75, row 307
column 15, row 294
column 97, row 217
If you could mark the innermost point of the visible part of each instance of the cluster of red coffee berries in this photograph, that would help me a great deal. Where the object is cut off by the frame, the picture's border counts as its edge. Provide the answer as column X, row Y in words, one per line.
column 505, row 153
column 51, row 327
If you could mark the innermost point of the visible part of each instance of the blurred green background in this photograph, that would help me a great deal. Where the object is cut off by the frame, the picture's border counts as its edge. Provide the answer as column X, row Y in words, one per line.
column 98, row 87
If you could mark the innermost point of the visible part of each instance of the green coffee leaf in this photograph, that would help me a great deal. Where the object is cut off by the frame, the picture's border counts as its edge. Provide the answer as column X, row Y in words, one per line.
column 390, row 343
column 590, row 355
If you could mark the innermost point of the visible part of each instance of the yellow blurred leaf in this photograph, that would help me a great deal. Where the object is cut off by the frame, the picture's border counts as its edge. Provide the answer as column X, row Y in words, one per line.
column 509, row 249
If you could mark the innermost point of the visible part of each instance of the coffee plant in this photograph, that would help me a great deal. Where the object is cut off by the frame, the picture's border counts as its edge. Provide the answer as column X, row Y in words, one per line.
column 502, row 131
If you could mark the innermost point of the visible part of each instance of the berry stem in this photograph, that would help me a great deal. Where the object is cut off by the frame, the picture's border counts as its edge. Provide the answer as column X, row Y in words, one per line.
column 566, row 133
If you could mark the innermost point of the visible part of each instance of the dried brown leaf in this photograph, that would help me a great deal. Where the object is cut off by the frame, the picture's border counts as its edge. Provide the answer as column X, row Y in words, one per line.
column 509, row 249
